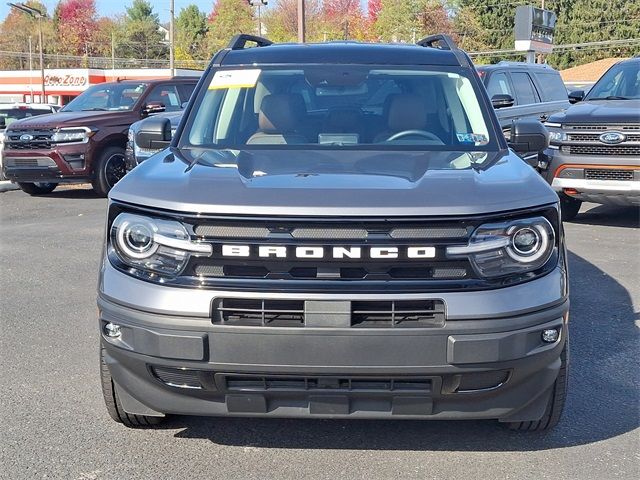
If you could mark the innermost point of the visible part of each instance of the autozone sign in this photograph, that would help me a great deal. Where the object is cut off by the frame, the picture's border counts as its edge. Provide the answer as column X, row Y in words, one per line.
column 66, row 80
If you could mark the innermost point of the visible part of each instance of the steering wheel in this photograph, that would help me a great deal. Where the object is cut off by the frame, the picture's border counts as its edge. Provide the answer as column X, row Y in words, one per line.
column 420, row 133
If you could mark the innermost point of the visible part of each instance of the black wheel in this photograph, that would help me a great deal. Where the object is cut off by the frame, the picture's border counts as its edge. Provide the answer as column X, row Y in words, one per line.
column 554, row 409
column 109, row 168
column 37, row 188
column 569, row 207
column 114, row 407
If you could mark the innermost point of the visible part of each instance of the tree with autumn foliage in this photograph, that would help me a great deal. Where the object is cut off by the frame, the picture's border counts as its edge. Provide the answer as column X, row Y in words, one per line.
column 344, row 20
column 76, row 23
column 191, row 30
column 281, row 20
column 228, row 18
column 14, row 36
column 409, row 20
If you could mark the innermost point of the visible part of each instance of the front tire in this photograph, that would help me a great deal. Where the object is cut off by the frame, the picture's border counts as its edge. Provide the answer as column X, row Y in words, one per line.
column 114, row 407
column 556, row 403
column 35, row 189
column 108, row 169
column 569, row 207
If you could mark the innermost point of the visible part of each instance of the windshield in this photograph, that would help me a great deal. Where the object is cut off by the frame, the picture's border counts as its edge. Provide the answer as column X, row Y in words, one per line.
column 338, row 106
column 621, row 82
column 18, row 113
column 109, row 96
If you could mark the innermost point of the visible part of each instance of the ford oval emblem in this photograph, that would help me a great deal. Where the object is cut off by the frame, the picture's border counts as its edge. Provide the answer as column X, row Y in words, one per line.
column 612, row 137
column 26, row 137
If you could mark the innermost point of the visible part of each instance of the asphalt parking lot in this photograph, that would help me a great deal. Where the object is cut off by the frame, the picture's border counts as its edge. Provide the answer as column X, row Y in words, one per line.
column 53, row 423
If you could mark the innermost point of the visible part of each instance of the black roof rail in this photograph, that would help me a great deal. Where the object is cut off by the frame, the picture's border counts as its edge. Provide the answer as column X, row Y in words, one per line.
column 445, row 42
column 239, row 41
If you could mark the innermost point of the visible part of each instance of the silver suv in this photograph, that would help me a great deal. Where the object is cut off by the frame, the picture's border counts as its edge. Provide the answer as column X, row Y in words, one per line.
column 336, row 230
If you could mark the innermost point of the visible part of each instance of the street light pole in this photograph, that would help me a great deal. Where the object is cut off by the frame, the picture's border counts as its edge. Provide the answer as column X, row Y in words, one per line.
column 38, row 15
column 172, row 52
column 259, row 4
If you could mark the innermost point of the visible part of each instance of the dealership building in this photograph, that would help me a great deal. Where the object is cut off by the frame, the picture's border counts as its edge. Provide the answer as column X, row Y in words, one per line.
column 63, row 85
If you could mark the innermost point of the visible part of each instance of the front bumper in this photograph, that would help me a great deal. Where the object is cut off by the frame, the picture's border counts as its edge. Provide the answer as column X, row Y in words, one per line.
column 67, row 163
column 493, row 366
column 566, row 174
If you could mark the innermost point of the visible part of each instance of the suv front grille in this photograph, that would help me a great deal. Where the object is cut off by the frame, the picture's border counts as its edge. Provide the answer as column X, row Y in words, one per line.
column 602, row 149
column 40, row 139
column 608, row 174
column 358, row 314
column 361, row 237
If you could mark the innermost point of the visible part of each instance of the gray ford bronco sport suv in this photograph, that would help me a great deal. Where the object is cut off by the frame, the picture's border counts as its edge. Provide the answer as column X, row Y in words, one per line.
column 336, row 230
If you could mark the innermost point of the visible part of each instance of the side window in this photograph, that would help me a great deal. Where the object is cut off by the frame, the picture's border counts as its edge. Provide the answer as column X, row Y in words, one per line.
column 499, row 84
column 525, row 91
column 552, row 86
column 186, row 89
column 166, row 95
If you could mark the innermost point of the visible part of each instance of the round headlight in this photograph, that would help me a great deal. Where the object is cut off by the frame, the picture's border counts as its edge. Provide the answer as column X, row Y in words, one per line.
column 526, row 241
column 135, row 239
column 529, row 243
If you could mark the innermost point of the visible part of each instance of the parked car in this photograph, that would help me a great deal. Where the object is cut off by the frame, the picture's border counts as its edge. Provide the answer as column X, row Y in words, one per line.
column 136, row 153
column 524, row 90
column 595, row 145
column 85, row 141
column 10, row 112
column 338, row 230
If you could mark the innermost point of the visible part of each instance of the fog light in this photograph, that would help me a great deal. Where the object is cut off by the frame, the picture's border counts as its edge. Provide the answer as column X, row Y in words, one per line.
column 550, row 335
column 112, row 330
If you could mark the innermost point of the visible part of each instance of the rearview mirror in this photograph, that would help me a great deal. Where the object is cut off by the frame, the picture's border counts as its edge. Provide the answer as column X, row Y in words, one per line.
column 153, row 108
column 576, row 96
column 502, row 100
column 154, row 133
column 528, row 136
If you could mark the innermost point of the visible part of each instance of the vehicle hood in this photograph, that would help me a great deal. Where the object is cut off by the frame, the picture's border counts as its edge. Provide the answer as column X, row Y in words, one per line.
column 600, row 112
column 333, row 183
column 76, row 119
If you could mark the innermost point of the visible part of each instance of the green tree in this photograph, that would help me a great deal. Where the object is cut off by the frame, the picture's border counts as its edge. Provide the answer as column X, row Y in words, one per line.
column 406, row 20
column 281, row 21
column 15, row 31
column 228, row 18
column 191, row 30
column 140, row 36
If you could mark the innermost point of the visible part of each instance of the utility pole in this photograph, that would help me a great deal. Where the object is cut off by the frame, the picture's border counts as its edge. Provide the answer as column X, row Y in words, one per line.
column 172, row 52
column 38, row 15
column 113, row 53
column 301, row 22
column 30, row 70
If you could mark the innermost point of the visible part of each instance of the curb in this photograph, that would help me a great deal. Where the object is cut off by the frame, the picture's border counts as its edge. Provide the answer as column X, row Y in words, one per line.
column 6, row 186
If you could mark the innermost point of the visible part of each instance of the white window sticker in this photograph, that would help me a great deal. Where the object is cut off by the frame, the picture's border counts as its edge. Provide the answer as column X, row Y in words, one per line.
column 475, row 139
column 235, row 79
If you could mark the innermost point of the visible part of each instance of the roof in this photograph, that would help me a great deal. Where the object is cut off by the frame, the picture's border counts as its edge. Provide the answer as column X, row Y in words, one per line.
column 589, row 72
column 179, row 79
column 33, row 106
column 341, row 53
column 503, row 64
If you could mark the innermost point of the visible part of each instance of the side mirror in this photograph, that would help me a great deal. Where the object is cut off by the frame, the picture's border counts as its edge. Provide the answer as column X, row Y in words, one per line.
column 502, row 100
column 151, row 108
column 528, row 136
column 576, row 96
column 3, row 123
column 154, row 134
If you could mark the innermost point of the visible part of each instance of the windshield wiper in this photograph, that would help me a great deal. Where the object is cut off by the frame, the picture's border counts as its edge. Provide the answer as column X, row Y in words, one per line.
column 96, row 109
column 611, row 97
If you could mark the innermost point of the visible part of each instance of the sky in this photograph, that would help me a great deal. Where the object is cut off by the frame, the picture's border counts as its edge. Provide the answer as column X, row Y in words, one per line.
column 113, row 7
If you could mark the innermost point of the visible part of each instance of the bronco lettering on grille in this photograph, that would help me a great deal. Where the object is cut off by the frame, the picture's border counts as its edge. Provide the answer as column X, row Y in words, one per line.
column 319, row 252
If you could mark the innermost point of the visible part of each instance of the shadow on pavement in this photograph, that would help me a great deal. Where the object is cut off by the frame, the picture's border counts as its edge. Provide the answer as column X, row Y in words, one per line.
column 610, row 216
column 602, row 402
column 74, row 192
